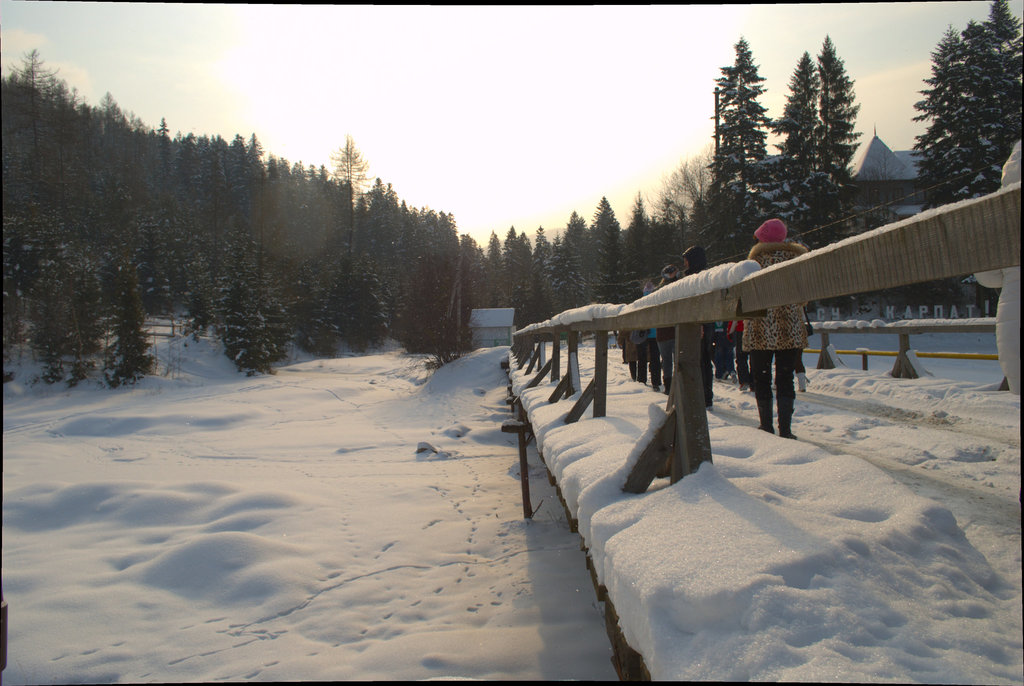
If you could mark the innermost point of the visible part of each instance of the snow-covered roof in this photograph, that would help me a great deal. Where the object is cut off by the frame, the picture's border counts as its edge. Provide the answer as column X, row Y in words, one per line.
column 875, row 161
column 492, row 317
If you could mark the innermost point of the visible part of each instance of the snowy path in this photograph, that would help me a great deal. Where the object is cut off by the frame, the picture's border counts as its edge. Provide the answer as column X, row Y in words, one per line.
column 900, row 441
column 286, row 528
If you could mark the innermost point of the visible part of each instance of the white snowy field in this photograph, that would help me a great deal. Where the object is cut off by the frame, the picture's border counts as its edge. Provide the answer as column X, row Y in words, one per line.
column 217, row 527
column 208, row 526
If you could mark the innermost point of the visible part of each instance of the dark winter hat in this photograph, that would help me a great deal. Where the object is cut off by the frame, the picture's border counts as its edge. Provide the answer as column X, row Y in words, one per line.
column 696, row 259
column 670, row 271
column 772, row 231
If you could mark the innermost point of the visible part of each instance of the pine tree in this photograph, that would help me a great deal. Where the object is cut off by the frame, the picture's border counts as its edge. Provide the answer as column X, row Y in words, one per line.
column 972, row 108
column 736, row 168
column 570, row 279
column 606, row 232
column 128, row 358
column 539, row 296
column 350, row 168
column 88, row 321
column 363, row 321
column 49, row 319
column 495, row 272
column 517, row 257
column 635, row 247
column 799, row 120
column 836, row 139
column 798, row 190
column 255, row 330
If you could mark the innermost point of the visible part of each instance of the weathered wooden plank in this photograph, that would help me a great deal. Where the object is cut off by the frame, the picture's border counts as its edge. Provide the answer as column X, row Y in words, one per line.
column 556, row 348
column 540, row 375
column 600, row 373
column 693, row 441
column 582, row 403
column 961, row 239
column 534, row 357
column 653, row 457
column 562, row 390
column 520, row 428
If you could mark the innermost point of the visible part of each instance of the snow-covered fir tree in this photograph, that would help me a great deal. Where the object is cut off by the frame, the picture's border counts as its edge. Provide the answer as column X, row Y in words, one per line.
column 607, row 233
column 836, row 141
column 809, row 183
column 255, row 327
column 737, row 171
column 636, row 248
column 128, row 358
column 972, row 108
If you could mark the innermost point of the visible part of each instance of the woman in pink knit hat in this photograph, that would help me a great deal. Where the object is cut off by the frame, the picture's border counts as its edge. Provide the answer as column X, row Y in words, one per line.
column 780, row 334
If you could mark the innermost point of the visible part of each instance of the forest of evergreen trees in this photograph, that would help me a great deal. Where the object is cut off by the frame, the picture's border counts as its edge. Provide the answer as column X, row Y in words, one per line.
column 107, row 220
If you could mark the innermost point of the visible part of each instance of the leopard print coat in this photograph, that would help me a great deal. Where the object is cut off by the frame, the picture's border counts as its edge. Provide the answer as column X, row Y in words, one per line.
column 783, row 328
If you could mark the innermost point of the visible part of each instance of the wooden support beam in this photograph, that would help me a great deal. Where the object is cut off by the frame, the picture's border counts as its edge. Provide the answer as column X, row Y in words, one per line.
column 600, row 373
column 652, row 460
column 572, row 344
column 556, row 347
column 902, row 369
column 581, row 404
column 824, row 359
column 562, row 390
column 540, row 375
column 693, row 442
column 534, row 357
column 520, row 428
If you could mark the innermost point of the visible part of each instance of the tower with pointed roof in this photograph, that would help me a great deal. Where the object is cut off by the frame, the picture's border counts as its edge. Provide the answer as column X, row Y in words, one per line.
column 886, row 182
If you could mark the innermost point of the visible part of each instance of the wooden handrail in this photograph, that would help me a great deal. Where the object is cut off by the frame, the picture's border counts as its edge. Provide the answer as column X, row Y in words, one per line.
column 953, row 240
column 962, row 238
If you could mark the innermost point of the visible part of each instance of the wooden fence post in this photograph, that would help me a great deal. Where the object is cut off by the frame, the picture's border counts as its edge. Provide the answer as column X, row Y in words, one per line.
column 903, row 369
column 574, row 363
column 824, row 361
column 520, row 428
column 556, row 347
column 693, row 442
column 600, row 373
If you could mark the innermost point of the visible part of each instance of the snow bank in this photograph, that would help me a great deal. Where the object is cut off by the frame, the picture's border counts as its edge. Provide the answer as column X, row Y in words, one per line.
column 778, row 561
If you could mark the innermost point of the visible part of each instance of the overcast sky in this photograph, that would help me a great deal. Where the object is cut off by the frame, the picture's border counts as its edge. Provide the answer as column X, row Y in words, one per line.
column 503, row 116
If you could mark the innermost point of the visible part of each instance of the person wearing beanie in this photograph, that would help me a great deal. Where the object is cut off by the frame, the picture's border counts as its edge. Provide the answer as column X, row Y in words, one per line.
column 779, row 335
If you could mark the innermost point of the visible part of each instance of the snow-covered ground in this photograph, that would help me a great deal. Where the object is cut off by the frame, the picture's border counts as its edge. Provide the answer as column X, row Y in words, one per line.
column 207, row 526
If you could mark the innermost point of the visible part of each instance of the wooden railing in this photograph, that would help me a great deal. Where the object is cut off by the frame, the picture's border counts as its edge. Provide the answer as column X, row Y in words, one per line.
column 954, row 240
column 905, row 366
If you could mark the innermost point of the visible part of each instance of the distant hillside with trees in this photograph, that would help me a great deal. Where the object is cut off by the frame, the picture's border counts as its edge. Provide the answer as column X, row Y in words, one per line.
column 107, row 220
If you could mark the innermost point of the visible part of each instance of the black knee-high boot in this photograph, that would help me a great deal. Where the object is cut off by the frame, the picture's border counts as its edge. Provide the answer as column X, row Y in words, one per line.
column 785, row 417
column 764, row 410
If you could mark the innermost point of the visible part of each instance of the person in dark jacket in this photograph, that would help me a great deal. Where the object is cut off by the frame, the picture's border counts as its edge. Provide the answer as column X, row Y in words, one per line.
column 694, row 261
column 781, row 334
column 666, row 335
column 653, row 354
column 742, row 356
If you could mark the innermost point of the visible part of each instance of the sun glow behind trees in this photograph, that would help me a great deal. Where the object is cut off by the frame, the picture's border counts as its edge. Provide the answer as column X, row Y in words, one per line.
column 501, row 116
column 490, row 107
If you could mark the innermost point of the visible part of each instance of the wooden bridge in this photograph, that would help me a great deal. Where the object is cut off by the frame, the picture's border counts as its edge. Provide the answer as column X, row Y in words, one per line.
column 955, row 240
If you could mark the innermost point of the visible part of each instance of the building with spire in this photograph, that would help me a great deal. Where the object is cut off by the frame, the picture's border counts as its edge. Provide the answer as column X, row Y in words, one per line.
column 887, row 188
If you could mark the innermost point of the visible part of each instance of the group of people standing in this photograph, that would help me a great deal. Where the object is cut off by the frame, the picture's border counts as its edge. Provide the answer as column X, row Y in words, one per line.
column 778, row 337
